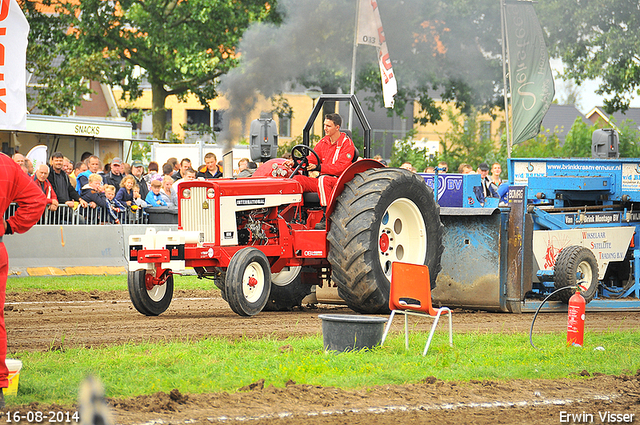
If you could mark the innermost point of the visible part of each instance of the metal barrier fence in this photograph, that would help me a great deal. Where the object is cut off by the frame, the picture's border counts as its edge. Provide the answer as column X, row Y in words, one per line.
column 86, row 216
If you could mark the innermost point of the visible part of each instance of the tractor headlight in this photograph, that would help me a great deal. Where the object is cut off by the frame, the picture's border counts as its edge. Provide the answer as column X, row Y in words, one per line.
column 186, row 193
column 210, row 193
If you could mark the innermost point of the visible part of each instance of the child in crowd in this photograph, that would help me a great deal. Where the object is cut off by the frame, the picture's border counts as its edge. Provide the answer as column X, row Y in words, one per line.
column 168, row 193
column 189, row 175
column 115, row 208
column 125, row 194
column 138, row 204
column 154, row 198
column 137, row 199
column 93, row 193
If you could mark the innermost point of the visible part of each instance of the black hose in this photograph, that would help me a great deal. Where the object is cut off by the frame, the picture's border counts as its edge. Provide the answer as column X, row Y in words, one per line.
column 540, row 307
column 615, row 293
column 618, row 293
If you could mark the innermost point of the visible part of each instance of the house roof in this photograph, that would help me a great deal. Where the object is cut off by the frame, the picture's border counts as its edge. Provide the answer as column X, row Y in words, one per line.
column 631, row 114
column 560, row 118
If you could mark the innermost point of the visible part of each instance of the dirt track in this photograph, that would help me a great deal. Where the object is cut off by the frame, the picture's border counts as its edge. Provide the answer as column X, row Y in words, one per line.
column 40, row 321
column 36, row 321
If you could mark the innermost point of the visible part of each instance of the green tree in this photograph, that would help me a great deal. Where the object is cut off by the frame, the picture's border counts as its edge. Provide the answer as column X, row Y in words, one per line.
column 441, row 50
column 285, row 148
column 56, row 85
column 141, row 150
column 597, row 39
column 569, row 95
column 405, row 151
column 177, row 46
column 465, row 143
column 629, row 139
column 545, row 145
column 577, row 143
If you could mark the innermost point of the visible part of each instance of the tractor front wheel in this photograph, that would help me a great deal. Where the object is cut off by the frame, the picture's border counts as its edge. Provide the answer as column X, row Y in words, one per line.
column 248, row 282
column 148, row 298
column 576, row 265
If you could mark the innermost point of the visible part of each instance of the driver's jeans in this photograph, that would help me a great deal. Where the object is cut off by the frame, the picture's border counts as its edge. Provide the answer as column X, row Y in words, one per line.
column 323, row 185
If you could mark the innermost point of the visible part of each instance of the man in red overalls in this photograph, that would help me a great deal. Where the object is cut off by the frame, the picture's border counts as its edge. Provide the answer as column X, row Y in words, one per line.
column 15, row 186
column 336, row 152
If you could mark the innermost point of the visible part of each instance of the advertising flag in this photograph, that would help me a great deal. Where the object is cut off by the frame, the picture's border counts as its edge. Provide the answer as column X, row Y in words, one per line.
column 14, row 30
column 38, row 155
column 530, row 77
column 370, row 33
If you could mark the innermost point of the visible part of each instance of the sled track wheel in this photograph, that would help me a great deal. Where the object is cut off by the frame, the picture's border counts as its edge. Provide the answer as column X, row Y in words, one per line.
column 576, row 265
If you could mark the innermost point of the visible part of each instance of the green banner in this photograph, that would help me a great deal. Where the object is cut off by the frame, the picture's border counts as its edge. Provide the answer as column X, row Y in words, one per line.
column 530, row 77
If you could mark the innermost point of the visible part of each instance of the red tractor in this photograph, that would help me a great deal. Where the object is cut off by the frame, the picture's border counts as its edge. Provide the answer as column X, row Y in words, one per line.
column 257, row 237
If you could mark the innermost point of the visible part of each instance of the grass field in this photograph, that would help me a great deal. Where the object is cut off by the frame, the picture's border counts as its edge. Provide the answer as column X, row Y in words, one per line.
column 214, row 365
column 91, row 283
column 218, row 364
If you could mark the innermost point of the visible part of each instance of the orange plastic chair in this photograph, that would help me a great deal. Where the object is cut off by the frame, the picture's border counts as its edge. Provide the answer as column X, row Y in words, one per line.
column 410, row 294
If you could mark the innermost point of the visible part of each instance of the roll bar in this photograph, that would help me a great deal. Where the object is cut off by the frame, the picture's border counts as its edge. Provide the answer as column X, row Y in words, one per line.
column 356, row 107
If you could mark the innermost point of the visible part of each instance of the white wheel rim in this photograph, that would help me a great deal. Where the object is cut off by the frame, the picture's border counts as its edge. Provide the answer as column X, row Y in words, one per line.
column 402, row 235
column 285, row 276
column 157, row 292
column 584, row 275
column 253, row 282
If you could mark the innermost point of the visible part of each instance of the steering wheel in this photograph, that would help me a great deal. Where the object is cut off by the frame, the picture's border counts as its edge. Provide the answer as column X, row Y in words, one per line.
column 299, row 155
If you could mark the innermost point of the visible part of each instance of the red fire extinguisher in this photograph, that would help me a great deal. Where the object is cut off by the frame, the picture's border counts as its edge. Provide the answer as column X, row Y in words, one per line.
column 575, row 321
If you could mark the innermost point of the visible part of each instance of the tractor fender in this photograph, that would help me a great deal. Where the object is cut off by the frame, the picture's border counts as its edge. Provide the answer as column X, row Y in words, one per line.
column 348, row 174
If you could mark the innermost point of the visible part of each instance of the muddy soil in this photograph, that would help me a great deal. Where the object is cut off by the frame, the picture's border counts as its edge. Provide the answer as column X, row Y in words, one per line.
column 39, row 321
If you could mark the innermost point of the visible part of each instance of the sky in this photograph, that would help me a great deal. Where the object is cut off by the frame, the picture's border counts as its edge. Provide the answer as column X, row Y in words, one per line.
column 588, row 99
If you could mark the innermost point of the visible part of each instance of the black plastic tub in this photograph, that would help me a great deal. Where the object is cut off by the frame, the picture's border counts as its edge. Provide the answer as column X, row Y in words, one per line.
column 163, row 215
column 348, row 332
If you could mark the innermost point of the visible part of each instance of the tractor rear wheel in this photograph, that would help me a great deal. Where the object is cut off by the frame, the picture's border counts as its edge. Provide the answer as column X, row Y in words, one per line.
column 153, row 301
column 576, row 265
column 382, row 216
column 287, row 289
column 248, row 281
column 219, row 280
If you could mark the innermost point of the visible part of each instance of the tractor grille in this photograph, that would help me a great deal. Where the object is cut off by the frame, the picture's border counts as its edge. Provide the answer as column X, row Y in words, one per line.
column 198, row 213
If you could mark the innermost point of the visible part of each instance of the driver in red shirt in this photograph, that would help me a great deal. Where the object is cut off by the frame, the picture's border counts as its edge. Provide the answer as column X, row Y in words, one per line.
column 336, row 152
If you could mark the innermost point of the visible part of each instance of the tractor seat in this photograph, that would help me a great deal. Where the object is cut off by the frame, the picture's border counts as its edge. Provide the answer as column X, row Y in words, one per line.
column 311, row 199
column 356, row 153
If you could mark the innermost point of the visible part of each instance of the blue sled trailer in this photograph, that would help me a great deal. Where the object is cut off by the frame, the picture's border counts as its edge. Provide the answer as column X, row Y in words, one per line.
column 562, row 222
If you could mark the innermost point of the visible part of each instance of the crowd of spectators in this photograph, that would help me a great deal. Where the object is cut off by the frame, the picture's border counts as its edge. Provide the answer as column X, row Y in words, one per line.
column 115, row 192
column 490, row 184
column 119, row 190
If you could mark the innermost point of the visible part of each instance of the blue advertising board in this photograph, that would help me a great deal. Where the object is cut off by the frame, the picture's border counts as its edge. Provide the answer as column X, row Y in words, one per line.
column 457, row 190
